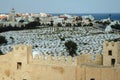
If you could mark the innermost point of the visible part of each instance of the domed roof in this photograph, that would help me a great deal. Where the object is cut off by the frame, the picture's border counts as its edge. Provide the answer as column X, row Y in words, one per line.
column 108, row 28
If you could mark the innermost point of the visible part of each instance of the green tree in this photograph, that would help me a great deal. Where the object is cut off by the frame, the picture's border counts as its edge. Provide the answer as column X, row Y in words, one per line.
column 71, row 47
column 1, row 53
column 2, row 40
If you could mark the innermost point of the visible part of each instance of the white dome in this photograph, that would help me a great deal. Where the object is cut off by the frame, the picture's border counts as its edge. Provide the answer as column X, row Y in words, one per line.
column 108, row 28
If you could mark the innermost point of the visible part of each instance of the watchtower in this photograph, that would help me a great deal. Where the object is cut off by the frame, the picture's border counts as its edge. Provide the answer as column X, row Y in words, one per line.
column 111, row 52
column 22, row 55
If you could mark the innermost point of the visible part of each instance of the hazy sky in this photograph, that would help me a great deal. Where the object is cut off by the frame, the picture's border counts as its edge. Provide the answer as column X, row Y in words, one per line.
column 61, row 6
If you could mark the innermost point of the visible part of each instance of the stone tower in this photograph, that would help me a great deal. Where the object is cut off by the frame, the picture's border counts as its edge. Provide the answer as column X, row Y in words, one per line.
column 111, row 53
column 13, row 15
column 22, row 55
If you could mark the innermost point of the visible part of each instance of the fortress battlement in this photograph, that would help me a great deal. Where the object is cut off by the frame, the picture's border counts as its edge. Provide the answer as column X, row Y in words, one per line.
column 67, row 60
column 21, row 64
column 45, row 59
column 54, row 60
column 111, row 43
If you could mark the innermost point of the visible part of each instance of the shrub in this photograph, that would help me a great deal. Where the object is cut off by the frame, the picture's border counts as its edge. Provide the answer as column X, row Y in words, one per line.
column 1, row 53
column 2, row 40
column 71, row 47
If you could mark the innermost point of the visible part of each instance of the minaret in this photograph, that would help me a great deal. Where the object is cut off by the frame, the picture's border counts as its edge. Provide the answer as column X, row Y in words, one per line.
column 13, row 14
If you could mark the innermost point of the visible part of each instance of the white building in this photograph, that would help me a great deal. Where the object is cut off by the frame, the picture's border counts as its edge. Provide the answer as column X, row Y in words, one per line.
column 108, row 29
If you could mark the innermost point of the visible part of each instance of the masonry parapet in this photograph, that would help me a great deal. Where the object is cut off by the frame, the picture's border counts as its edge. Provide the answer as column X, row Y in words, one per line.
column 54, row 60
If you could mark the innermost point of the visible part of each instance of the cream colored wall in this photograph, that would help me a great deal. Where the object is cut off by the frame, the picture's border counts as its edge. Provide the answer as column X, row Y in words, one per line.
column 102, row 73
column 53, row 72
column 81, row 67
column 49, row 60
column 115, row 51
column 93, row 73
column 118, row 74
column 118, row 49
column 87, row 59
column 108, row 74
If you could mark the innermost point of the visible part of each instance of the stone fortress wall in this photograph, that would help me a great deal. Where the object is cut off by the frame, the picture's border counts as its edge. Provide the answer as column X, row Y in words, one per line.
column 19, row 64
column 45, row 59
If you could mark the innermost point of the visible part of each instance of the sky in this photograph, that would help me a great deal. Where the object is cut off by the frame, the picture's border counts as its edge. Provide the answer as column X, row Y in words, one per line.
column 60, row 6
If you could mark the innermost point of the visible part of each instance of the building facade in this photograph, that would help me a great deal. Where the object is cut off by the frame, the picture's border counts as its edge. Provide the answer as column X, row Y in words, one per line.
column 19, row 64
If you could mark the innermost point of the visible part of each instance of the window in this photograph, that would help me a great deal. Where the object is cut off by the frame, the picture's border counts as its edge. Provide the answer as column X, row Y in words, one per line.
column 110, row 52
column 92, row 79
column 19, row 65
column 113, row 62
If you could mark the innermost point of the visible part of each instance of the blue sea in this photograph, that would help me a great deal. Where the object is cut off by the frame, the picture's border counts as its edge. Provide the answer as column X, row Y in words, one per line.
column 113, row 16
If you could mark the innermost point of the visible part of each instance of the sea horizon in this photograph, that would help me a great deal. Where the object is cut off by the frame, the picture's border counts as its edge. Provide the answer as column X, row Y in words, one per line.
column 97, row 16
